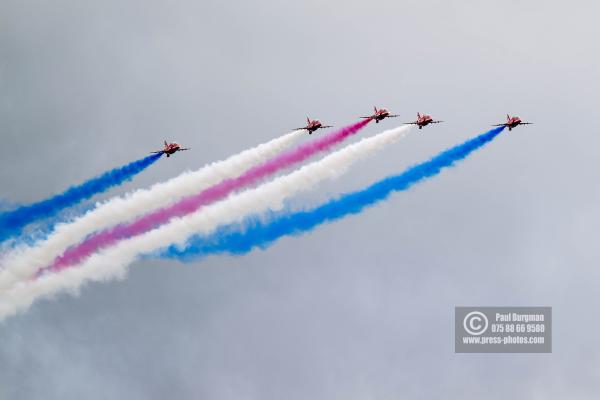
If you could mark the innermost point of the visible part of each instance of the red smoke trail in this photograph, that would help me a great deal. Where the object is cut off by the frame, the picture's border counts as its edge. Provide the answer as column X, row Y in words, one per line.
column 207, row 196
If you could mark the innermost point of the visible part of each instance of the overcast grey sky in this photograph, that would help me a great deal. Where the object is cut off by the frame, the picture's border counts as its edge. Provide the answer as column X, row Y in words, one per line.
column 359, row 309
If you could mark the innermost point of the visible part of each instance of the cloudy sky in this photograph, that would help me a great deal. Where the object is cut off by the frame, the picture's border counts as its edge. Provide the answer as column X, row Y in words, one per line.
column 359, row 309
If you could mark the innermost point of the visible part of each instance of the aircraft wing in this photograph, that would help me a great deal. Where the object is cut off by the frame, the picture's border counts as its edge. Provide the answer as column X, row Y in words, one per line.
column 185, row 148
column 411, row 123
column 156, row 152
column 435, row 122
column 327, row 126
column 393, row 116
column 371, row 117
column 526, row 123
column 500, row 125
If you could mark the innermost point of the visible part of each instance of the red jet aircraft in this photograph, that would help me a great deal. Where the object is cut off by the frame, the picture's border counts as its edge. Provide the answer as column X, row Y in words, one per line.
column 380, row 114
column 423, row 120
column 170, row 148
column 512, row 122
column 313, row 125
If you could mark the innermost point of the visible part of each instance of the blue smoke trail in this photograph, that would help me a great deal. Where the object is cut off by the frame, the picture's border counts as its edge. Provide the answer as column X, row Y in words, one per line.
column 13, row 222
column 261, row 232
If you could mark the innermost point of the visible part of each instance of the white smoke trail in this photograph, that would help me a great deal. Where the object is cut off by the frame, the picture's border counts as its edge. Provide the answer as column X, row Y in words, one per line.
column 24, row 261
column 112, row 263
